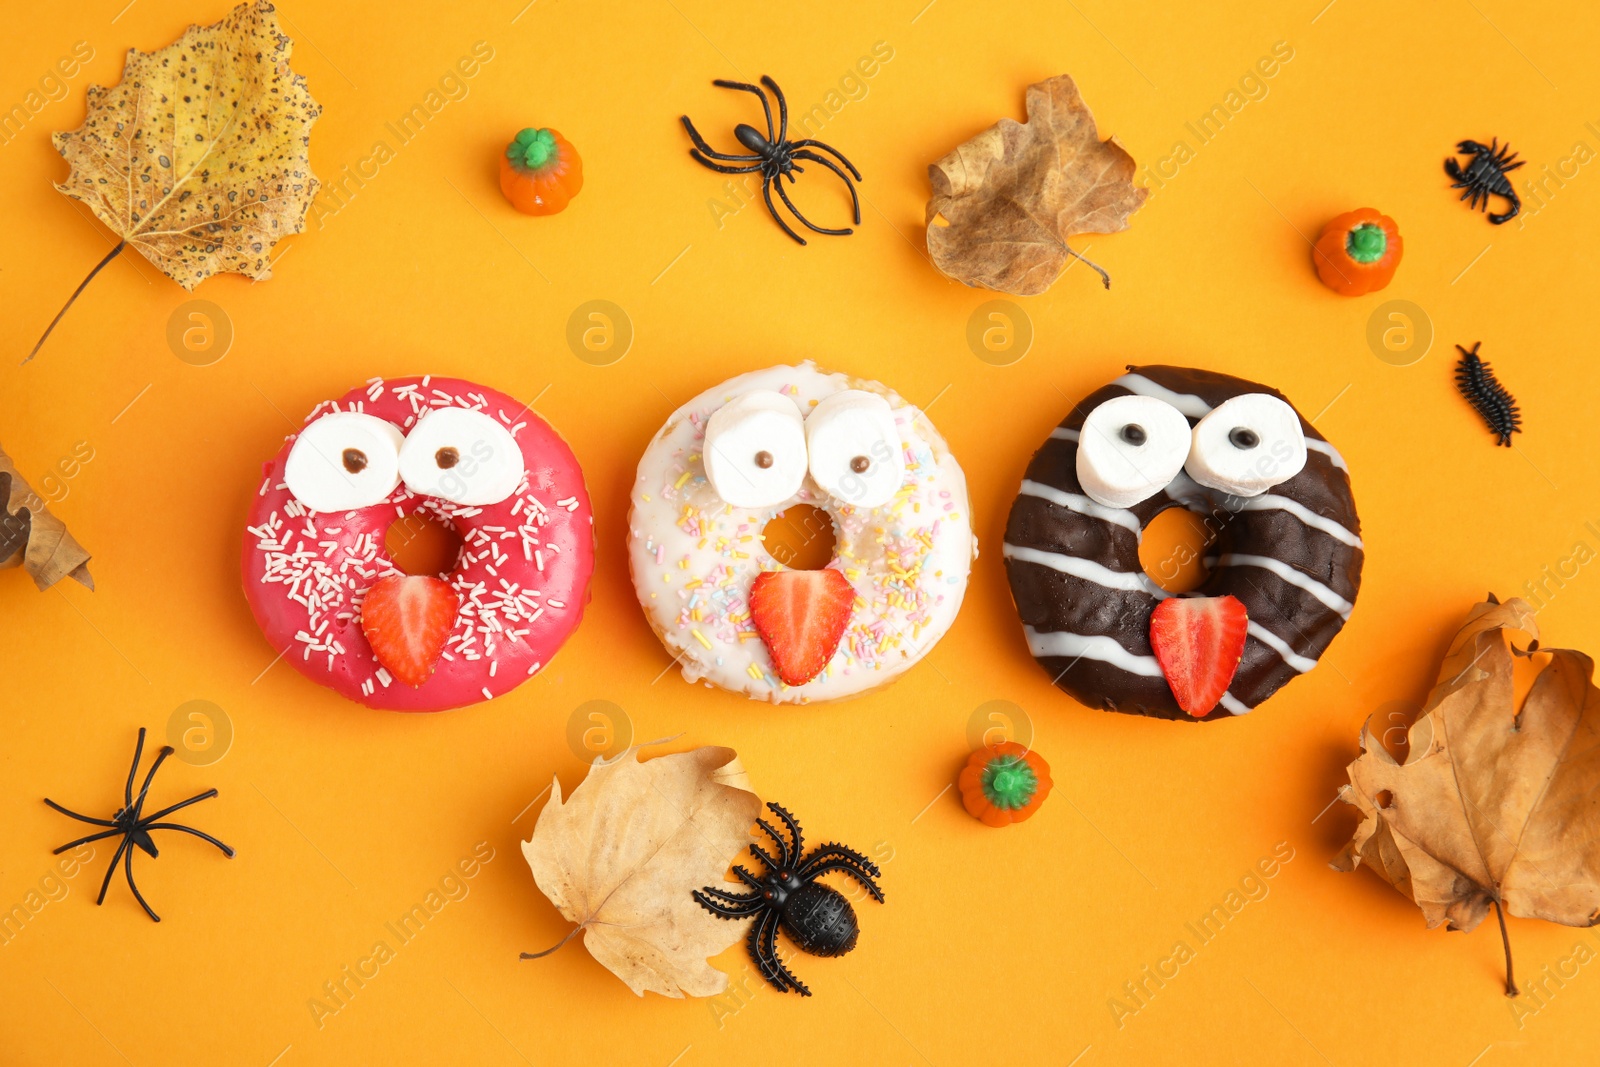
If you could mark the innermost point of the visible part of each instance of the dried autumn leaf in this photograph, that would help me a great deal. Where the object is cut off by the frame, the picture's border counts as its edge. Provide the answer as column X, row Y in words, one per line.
column 622, row 855
column 199, row 157
column 32, row 537
column 1492, row 806
column 1014, row 194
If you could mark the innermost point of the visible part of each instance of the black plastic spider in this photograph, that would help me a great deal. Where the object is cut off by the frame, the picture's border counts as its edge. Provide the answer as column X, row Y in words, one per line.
column 816, row 916
column 774, row 156
column 1486, row 174
column 135, row 826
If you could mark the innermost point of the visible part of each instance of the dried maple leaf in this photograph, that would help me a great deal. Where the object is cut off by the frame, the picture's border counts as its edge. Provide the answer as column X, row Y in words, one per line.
column 1492, row 806
column 1012, row 196
column 32, row 537
column 621, row 856
column 199, row 158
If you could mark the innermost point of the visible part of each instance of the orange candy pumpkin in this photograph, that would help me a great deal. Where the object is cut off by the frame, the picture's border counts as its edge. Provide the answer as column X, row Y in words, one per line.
column 540, row 172
column 1003, row 783
column 1358, row 252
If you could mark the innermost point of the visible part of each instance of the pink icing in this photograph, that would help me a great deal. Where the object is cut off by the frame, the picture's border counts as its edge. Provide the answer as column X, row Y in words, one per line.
column 523, row 574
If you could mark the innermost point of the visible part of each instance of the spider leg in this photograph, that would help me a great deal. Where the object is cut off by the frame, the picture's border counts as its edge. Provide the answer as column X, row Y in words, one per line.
column 757, row 941
column 138, row 751
column 783, row 109
column 85, row 840
column 207, row 795
column 808, row 223
column 772, row 862
column 788, row 855
column 81, row 818
column 116, row 857
column 766, row 193
column 730, row 898
column 855, row 201
column 700, row 142
column 1513, row 163
column 809, row 143
column 226, row 850
column 794, row 828
column 833, row 848
column 718, row 167
column 770, row 944
column 724, row 911
column 747, row 878
column 127, row 867
column 844, row 866
column 144, row 790
column 761, row 96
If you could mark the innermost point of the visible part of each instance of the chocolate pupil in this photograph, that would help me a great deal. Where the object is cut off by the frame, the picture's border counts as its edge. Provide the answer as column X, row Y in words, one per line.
column 355, row 460
column 1244, row 438
column 446, row 458
column 763, row 460
column 860, row 464
column 1134, row 434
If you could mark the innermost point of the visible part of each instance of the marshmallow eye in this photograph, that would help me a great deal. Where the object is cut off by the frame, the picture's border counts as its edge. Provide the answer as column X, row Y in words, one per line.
column 1130, row 448
column 1247, row 445
column 344, row 461
column 755, row 450
column 855, row 449
column 462, row 456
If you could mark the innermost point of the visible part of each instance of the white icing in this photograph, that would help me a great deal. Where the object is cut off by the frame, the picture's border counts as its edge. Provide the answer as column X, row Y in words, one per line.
column 1273, row 502
column 1317, row 445
column 1098, row 647
column 1088, row 570
column 1062, row 434
column 1187, row 403
column 1290, row 575
column 693, row 556
column 1273, row 452
column 1280, row 646
column 1233, row 705
column 1081, row 504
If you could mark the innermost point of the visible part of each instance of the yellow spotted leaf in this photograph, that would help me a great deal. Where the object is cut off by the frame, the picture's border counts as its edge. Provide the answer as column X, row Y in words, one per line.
column 198, row 158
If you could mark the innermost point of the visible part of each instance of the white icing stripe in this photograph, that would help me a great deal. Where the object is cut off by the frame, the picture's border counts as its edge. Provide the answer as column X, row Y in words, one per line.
column 1081, row 504
column 1088, row 570
column 1100, row 648
column 1187, row 403
column 1273, row 502
column 1290, row 575
column 1233, row 705
column 1063, row 434
column 1281, row 647
column 1327, row 450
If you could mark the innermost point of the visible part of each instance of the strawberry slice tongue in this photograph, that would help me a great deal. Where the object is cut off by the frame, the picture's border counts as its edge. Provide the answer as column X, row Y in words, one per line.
column 801, row 617
column 1199, row 642
column 408, row 620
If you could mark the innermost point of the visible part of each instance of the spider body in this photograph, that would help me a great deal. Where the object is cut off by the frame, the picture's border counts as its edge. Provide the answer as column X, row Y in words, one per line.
column 1493, row 403
column 817, row 917
column 133, row 826
column 773, row 156
column 1485, row 176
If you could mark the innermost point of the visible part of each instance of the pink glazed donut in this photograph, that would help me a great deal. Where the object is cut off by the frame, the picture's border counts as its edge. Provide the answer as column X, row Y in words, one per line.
column 469, row 457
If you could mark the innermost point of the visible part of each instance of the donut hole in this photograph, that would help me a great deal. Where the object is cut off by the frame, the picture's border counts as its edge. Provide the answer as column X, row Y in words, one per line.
column 801, row 537
column 421, row 544
column 1172, row 549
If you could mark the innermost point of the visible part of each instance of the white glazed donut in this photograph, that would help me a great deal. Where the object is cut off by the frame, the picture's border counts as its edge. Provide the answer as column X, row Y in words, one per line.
column 694, row 557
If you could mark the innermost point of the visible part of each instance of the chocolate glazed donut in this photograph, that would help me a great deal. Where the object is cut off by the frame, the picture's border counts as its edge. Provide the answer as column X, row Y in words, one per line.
column 1292, row 555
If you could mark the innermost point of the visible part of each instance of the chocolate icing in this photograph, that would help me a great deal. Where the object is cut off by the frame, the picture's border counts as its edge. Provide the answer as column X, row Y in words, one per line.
column 1049, row 601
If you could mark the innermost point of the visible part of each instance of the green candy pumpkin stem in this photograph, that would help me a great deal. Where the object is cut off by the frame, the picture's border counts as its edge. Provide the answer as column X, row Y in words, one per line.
column 1008, row 782
column 1366, row 243
column 532, row 148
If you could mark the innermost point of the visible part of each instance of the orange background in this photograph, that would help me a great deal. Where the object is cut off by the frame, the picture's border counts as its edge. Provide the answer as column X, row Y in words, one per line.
column 992, row 945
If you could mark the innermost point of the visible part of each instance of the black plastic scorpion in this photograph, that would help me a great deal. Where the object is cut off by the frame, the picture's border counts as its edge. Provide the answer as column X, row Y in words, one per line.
column 1486, row 175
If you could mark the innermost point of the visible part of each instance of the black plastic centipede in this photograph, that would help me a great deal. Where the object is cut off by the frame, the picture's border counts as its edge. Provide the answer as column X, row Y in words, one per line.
column 1497, row 407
